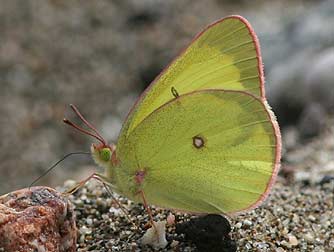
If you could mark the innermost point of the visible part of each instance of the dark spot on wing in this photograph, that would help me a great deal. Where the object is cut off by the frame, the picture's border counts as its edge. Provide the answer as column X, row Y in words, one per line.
column 198, row 142
column 174, row 92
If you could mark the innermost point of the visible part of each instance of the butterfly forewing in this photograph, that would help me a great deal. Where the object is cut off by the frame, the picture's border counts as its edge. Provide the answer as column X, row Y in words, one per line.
column 225, row 55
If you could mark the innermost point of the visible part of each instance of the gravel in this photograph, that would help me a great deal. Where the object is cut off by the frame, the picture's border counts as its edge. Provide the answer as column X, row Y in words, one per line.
column 294, row 218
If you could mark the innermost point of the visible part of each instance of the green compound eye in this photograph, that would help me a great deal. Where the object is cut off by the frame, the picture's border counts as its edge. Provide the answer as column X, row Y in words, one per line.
column 105, row 154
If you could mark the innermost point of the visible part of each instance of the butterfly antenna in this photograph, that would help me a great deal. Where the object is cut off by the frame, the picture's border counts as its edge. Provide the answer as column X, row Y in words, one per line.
column 83, row 130
column 96, row 135
column 55, row 164
column 89, row 125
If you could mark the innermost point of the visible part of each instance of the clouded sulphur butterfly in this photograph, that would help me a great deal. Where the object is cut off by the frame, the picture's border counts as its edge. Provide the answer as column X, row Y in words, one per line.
column 201, row 138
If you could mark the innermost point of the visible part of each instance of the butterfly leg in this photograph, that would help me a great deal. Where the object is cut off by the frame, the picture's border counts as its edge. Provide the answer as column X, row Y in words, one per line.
column 79, row 185
column 148, row 209
column 102, row 180
column 139, row 178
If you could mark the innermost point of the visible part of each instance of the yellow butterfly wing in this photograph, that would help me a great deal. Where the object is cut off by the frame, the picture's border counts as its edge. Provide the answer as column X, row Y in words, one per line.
column 213, row 92
column 226, row 55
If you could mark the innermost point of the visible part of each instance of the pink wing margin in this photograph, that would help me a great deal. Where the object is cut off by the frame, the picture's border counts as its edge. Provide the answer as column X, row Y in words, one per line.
column 258, row 56
column 277, row 162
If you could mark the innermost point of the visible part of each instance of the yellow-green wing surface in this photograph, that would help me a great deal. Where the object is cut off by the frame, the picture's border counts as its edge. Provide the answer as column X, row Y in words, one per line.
column 208, row 151
column 225, row 55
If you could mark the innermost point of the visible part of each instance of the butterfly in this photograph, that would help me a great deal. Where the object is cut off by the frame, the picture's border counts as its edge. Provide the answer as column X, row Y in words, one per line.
column 201, row 138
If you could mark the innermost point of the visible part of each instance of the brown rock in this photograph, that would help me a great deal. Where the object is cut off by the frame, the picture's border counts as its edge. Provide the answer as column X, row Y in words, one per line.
column 37, row 219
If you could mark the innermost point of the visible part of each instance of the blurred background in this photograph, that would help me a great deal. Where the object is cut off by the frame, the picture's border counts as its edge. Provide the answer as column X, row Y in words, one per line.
column 100, row 55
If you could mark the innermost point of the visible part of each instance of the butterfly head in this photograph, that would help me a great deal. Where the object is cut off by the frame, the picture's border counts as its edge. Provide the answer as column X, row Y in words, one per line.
column 103, row 153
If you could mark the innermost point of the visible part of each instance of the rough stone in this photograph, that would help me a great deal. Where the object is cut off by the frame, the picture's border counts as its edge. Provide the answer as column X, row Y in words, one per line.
column 36, row 219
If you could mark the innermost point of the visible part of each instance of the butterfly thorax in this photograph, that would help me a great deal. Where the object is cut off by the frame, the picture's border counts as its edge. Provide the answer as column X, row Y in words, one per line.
column 126, row 184
column 129, row 183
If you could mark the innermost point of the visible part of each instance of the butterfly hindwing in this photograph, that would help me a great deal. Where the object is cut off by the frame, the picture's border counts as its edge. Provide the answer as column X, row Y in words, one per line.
column 210, row 151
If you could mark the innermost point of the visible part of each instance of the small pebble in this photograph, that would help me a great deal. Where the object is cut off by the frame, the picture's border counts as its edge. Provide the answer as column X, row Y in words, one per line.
column 174, row 244
column 171, row 219
column 89, row 221
column 238, row 225
column 84, row 230
column 133, row 245
column 309, row 237
column 312, row 218
column 295, row 218
column 286, row 244
column 247, row 223
column 292, row 240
